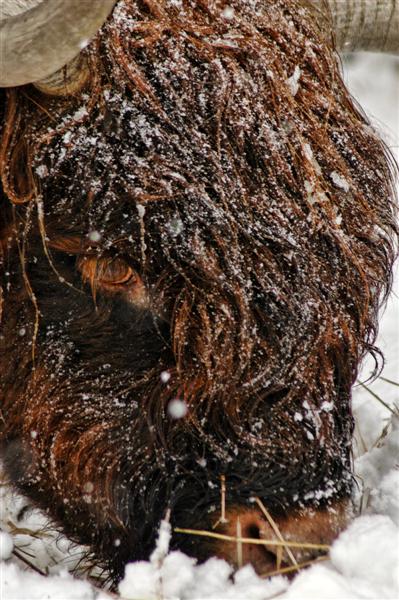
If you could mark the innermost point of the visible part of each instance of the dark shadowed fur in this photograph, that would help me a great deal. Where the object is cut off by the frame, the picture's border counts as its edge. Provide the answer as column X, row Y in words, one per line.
column 259, row 218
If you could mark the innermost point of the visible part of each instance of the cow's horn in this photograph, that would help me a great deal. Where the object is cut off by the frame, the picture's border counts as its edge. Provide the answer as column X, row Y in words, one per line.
column 39, row 37
column 370, row 25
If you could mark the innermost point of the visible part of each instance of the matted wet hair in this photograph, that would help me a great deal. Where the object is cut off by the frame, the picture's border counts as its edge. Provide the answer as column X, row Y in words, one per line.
column 244, row 106
column 217, row 147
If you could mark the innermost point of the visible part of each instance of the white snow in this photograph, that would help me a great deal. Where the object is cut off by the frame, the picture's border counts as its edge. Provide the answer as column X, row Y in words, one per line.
column 339, row 181
column 165, row 376
column 42, row 171
column 228, row 13
column 80, row 114
column 293, row 81
column 27, row 585
column 357, row 555
column 153, row 580
column 177, row 409
column 141, row 210
column 94, row 236
column 6, row 545
column 182, row 580
column 83, row 43
column 364, row 561
column 175, row 226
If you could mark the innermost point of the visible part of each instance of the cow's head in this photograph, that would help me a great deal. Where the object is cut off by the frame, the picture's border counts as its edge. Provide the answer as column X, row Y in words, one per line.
column 196, row 235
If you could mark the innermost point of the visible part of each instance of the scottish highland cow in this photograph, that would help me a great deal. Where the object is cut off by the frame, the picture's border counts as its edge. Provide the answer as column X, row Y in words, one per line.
column 197, row 232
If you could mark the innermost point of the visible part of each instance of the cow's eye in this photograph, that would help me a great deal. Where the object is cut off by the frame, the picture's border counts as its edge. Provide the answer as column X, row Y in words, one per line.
column 113, row 275
column 116, row 273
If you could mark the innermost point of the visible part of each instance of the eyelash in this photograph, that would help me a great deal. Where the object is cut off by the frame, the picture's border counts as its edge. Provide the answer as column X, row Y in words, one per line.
column 116, row 273
column 113, row 274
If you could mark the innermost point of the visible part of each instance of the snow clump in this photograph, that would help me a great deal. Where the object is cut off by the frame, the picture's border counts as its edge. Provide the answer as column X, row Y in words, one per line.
column 293, row 81
column 6, row 545
column 339, row 181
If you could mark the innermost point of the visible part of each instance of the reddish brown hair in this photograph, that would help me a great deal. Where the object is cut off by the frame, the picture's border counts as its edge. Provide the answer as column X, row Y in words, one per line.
column 224, row 157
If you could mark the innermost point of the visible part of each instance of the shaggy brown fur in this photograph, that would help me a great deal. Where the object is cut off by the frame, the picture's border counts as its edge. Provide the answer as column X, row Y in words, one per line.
column 214, row 205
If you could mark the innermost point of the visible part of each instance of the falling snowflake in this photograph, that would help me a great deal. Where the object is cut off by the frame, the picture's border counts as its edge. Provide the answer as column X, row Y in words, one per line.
column 177, row 409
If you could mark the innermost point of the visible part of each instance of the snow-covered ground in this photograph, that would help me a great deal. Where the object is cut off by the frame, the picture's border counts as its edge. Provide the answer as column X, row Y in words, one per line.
column 364, row 561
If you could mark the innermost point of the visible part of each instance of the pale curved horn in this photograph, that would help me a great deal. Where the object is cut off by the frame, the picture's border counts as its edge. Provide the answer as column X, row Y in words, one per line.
column 37, row 38
column 370, row 25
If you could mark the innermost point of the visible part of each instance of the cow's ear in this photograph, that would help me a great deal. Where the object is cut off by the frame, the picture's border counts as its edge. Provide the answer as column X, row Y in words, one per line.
column 38, row 39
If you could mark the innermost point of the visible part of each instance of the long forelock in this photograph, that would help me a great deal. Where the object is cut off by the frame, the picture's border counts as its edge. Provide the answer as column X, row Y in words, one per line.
column 225, row 158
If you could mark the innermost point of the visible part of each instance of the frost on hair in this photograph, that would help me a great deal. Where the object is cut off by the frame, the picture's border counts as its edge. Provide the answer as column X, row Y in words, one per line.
column 221, row 157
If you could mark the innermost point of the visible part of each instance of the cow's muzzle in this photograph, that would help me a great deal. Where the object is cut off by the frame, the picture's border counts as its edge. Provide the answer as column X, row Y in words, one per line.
column 285, row 542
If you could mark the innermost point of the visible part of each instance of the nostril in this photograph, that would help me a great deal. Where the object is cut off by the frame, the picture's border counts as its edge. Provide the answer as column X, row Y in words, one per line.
column 253, row 531
column 249, row 525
